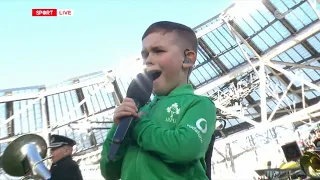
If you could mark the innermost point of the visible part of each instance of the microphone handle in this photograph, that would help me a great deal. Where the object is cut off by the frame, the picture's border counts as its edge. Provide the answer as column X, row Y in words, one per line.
column 122, row 129
column 120, row 134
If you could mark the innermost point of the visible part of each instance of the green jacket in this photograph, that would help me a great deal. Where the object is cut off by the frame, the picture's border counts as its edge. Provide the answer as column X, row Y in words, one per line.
column 168, row 142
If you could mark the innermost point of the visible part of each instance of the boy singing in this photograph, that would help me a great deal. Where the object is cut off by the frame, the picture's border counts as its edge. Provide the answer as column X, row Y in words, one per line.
column 170, row 139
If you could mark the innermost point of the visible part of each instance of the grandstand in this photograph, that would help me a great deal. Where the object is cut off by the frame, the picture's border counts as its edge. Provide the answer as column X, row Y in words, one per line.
column 259, row 64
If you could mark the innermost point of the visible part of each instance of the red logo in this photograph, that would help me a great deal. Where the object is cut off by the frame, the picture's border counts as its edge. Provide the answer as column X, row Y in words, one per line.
column 52, row 12
column 44, row 12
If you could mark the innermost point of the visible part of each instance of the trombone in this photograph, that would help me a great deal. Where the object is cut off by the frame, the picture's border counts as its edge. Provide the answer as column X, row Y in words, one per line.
column 24, row 157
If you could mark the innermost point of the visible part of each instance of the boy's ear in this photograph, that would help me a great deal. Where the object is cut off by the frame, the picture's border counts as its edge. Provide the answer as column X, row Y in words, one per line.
column 190, row 59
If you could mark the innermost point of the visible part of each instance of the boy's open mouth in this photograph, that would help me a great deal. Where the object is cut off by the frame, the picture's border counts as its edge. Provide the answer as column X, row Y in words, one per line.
column 155, row 74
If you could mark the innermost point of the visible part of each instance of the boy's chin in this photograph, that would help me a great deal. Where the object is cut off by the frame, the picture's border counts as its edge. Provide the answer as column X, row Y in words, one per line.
column 159, row 92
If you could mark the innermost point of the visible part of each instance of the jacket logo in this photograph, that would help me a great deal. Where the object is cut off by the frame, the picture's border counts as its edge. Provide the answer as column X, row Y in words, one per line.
column 173, row 110
column 201, row 125
column 204, row 128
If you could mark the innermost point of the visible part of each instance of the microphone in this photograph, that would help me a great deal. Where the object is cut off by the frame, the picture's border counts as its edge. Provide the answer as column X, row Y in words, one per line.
column 139, row 90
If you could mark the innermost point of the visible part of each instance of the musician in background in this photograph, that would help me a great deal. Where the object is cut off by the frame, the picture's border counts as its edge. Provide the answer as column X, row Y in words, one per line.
column 63, row 167
column 312, row 135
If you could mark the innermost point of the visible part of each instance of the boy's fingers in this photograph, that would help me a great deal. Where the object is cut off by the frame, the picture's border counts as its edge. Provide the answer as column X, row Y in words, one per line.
column 129, row 104
column 128, row 100
column 124, row 111
column 127, row 108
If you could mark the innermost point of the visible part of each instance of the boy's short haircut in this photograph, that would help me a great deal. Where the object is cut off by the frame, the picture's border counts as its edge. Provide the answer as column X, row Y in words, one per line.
column 183, row 32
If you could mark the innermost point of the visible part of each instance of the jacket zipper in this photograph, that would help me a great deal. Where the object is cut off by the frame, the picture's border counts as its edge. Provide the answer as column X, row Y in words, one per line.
column 139, row 148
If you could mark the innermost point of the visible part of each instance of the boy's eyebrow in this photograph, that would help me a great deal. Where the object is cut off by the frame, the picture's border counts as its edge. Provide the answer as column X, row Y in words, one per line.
column 144, row 51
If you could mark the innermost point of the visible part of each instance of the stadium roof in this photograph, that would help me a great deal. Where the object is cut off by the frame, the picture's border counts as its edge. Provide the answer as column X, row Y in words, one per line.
column 287, row 32
column 283, row 33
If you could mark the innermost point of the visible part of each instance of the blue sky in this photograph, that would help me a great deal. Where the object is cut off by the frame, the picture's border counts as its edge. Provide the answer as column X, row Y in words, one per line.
column 45, row 50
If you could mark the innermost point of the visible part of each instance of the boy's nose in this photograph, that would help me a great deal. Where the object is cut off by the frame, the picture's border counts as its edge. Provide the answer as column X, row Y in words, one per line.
column 148, row 62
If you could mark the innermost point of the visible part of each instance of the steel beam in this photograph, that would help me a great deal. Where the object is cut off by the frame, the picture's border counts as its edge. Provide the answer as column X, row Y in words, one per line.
column 103, row 114
column 41, row 96
column 274, row 111
column 285, row 45
column 293, row 76
column 40, row 132
column 296, row 65
column 208, row 29
column 263, row 92
column 294, row 117
column 12, row 138
column 236, row 115
column 18, row 97
column 314, row 7
column 49, row 92
column 292, row 41
column 226, row 78
column 85, row 111
column 117, row 92
column 45, row 126
column 9, row 112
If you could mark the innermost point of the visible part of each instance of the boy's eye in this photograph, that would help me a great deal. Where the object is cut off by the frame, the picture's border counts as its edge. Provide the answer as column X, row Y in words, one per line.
column 158, row 51
column 145, row 54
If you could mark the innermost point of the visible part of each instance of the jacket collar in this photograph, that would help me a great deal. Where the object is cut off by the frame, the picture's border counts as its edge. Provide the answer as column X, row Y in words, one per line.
column 185, row 89
column 63, row 159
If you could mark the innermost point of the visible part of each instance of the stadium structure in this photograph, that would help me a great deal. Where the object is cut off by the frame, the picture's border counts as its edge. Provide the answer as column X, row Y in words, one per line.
column 259, row 61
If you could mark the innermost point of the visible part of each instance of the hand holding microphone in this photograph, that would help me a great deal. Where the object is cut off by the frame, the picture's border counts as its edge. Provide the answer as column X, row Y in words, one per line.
column 127, row 108
column 138, row 94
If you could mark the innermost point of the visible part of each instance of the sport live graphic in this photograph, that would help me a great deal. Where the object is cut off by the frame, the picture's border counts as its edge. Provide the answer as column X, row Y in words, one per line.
column 52, row 12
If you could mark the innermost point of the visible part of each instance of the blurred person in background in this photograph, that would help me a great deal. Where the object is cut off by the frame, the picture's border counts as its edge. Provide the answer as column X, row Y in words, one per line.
column 63, row 167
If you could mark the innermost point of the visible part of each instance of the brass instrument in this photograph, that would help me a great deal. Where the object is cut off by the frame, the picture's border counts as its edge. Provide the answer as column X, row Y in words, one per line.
column 24, row 157
column 307, row 165
column 310, row 164
column 310, row 161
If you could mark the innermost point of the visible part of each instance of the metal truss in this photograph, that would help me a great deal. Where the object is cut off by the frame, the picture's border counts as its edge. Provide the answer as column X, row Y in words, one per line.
column 292, row 41
column 313, row 4
column 105, row 82
column 229, row 103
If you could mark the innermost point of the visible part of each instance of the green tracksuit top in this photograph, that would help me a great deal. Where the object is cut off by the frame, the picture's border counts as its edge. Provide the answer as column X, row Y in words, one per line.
column 168, row 142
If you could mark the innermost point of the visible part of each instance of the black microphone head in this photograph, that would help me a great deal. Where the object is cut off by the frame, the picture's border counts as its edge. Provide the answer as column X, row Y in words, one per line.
column 140, row 88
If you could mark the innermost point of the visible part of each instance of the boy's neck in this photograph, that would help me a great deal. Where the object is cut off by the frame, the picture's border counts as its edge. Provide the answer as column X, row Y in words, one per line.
column 180, row 85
